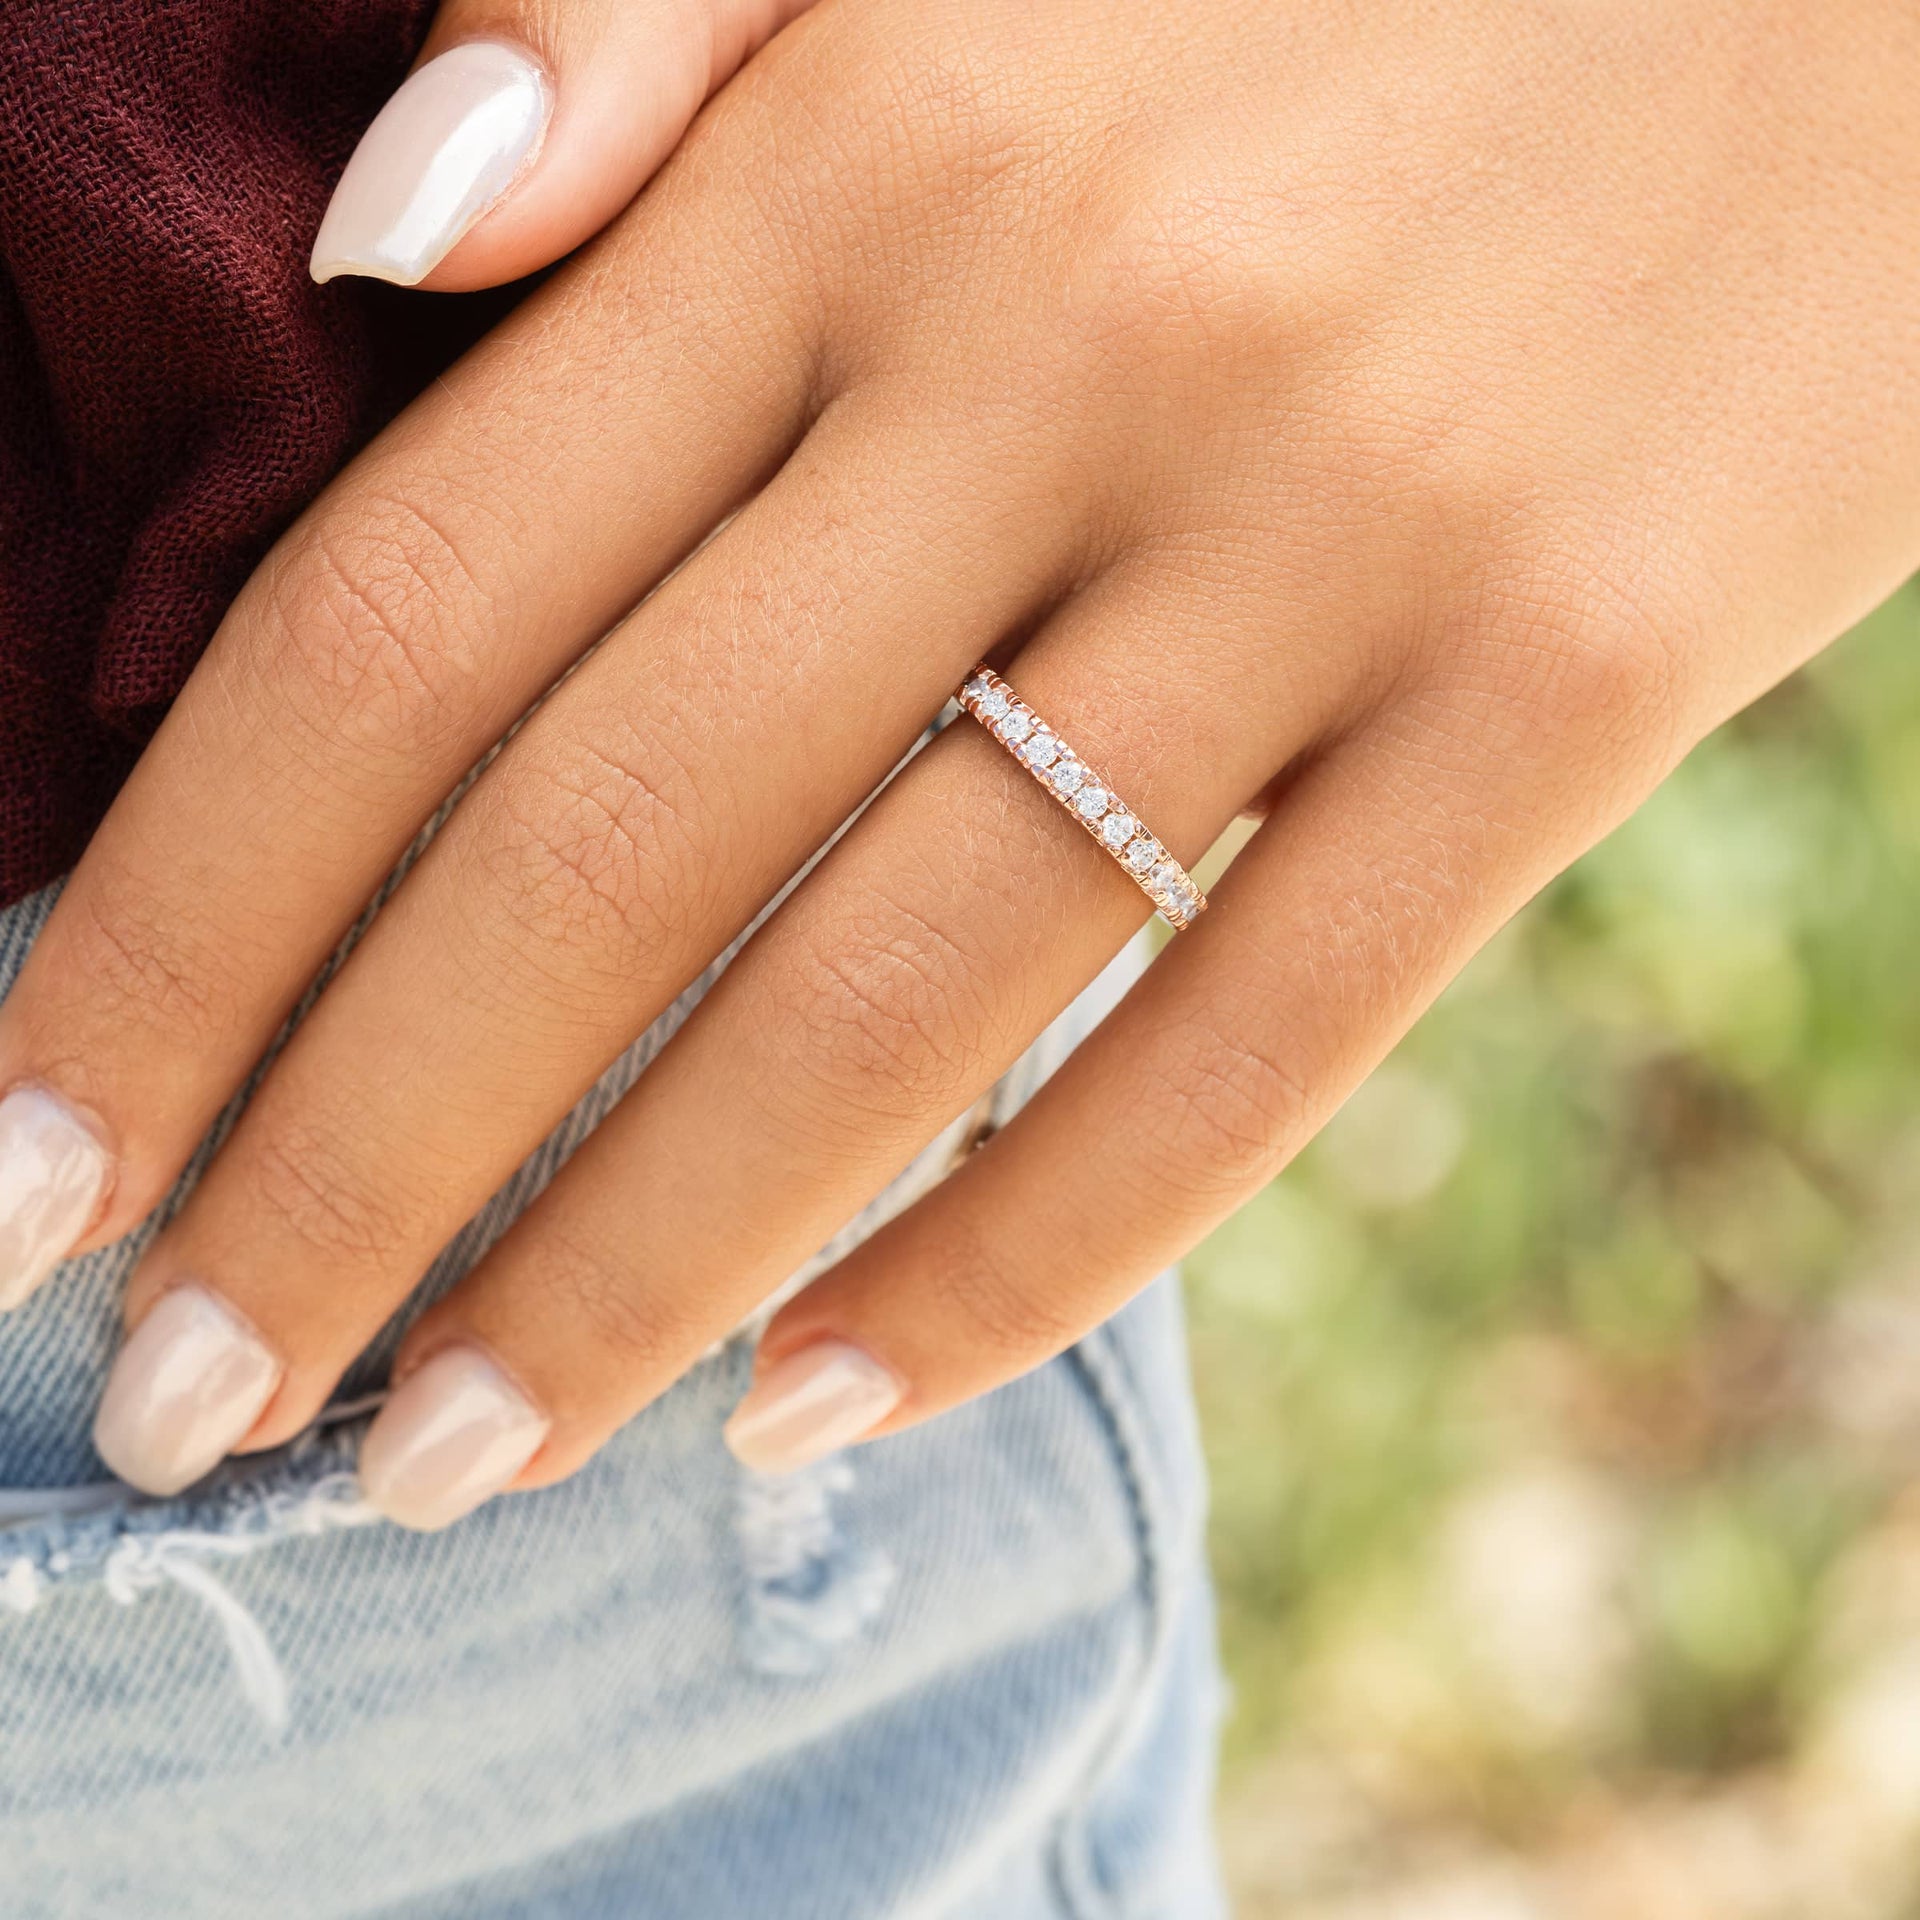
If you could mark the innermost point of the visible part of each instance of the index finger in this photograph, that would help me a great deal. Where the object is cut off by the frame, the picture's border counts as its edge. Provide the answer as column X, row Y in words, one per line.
column 479, row 546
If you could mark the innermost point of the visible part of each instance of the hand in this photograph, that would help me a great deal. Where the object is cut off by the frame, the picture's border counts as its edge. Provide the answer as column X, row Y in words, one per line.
column 1430, row 419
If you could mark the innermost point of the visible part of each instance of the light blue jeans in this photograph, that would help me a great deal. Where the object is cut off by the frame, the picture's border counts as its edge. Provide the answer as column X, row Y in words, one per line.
column 962, row 1674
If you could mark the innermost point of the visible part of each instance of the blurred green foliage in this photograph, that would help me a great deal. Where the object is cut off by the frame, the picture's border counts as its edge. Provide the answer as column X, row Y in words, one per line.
column 1602, row 1295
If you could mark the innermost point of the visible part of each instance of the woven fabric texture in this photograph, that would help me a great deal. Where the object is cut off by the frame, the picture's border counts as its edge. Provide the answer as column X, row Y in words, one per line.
column 173, row 388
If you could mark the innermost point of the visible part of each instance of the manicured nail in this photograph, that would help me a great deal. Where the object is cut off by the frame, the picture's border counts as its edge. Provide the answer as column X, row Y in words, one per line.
column 52, row 1173
column 826, row 1396
column 450, row 1436
column 190, row 1382
column 437, row 156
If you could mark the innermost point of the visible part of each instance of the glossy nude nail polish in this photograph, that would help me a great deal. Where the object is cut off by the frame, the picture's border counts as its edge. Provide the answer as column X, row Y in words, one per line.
column 452, row 1434
column 815, row 1401
column 52, row 1174
column 439, row 154
column 187, row 1387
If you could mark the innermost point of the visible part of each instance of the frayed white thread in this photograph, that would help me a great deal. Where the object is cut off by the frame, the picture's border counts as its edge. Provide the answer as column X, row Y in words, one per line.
column 809, row 1594
column 262, row 1679
column 20, row 1587
column 143, row 1561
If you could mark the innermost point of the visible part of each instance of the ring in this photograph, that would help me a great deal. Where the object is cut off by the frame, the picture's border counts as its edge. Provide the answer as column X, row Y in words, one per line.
column 1085, row 795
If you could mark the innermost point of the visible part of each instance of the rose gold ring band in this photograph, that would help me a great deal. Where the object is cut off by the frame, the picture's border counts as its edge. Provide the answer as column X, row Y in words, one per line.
column 1085, row 795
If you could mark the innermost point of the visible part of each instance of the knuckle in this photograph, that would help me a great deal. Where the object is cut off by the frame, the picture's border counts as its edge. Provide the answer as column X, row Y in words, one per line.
column 1585, row 668
column 965, row 102
column 641, row 1333
column 920, row 107
column 599, row 851
column 1601, row 672
column 1236, row 1111
column 928, row 98
column 327, row 1199
column 887, row 1013
column 1192, row 271
column 379, row 628
column 136, row 962
column 1008, row 1312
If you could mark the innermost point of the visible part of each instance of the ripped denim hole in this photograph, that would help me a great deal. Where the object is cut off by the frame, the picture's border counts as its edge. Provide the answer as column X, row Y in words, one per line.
column 75, row 1537
column 812, row 1591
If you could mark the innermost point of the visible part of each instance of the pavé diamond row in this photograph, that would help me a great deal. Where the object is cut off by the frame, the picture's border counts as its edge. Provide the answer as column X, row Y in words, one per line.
column 1084, row 794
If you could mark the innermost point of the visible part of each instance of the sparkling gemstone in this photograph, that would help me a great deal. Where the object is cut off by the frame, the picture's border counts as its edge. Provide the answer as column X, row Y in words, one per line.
column 1015, row 728
column 1166, row 876
column 1117, row 829
column 975, row 689
column 1092, row 802
column 993, row 703
column 1142, row 854
column 1068, row 776
column 1041, row 751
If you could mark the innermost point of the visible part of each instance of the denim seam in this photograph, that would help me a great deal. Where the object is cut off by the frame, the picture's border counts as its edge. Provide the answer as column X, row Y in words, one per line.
column 1107, row 1381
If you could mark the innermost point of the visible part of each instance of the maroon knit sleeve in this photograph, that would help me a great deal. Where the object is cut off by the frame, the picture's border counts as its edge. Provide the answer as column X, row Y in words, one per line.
column 173, row 388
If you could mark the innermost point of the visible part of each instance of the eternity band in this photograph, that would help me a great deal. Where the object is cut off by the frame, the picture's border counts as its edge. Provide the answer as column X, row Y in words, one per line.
column 1085, row 795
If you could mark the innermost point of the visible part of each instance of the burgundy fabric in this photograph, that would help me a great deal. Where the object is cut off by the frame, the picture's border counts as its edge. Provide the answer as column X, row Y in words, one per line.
column 173, row 388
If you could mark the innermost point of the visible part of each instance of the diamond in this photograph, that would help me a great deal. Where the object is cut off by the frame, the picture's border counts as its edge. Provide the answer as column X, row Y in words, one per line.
column 1092, row 802
column 1015, row 728
column 1142, row 854
column 976, row 689
column 1166, row 876
column 1042, row 750
column 993, row 703
column 1068, row 776
column 1117, row 829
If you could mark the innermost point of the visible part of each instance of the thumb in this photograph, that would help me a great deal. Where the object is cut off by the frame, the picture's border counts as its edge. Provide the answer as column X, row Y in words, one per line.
column 525, row 126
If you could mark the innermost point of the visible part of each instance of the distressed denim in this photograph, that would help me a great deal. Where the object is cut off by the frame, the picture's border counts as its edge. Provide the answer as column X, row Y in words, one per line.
column 966, row 1673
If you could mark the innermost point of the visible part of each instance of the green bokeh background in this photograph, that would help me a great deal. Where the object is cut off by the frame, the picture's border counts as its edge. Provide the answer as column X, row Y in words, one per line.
column 1564, row 1398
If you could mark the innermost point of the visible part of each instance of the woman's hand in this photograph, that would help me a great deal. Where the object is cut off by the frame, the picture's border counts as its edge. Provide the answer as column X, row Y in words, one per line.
column 1431, row 419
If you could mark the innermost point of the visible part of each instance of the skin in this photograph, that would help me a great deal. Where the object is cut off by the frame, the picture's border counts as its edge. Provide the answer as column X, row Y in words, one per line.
column 1433, row 417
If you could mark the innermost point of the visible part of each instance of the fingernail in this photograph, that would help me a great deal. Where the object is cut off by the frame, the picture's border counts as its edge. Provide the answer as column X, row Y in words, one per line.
column 187, row 1387
column 52, row 1173
column 436, row 157
column 826, row 1396
column 450, row 1436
